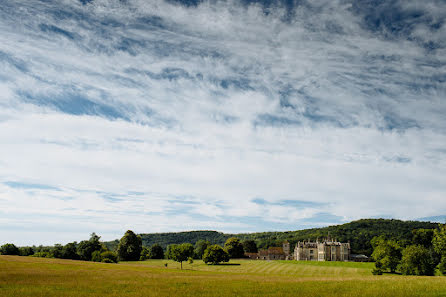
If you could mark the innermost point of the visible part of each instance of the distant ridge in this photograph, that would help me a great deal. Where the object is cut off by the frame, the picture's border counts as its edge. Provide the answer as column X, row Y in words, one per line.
column 359, row 233
column 437, row 219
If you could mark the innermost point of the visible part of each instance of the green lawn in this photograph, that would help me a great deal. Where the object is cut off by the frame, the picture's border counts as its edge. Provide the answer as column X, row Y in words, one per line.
column 28, row 276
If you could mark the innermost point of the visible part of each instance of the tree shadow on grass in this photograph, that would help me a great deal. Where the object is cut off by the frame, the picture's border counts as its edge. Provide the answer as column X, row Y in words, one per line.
column 392, row 273
column 225, row 264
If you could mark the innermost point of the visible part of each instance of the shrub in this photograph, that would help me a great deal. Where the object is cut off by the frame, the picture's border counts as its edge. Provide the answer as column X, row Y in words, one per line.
column 43, row 254
column 109, row 256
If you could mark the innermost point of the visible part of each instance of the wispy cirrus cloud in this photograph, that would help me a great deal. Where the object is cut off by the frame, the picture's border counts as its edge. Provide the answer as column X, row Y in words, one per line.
column 165, row 116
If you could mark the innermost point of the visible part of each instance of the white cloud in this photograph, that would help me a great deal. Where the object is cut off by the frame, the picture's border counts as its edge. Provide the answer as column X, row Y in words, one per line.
column 221, row 103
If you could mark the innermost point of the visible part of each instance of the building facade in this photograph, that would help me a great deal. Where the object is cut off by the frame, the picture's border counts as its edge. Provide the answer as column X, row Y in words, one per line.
column 329, row 250
column 272, row 253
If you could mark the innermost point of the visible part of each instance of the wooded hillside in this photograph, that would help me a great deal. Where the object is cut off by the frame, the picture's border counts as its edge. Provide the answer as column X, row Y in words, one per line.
column 359, row 233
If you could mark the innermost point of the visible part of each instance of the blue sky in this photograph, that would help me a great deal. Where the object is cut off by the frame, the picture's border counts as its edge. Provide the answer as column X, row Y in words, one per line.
column 236, row 116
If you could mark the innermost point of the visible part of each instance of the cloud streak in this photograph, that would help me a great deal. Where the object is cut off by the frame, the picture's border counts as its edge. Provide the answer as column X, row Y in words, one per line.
column 202, row 109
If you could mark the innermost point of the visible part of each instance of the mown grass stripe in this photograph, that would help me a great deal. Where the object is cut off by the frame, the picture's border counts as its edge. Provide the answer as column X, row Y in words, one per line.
column 27, row 276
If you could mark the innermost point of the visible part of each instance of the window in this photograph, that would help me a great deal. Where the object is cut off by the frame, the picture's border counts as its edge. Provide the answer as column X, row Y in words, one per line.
column 311, row 251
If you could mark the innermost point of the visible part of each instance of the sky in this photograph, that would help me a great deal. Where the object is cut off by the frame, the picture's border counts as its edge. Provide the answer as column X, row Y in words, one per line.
column 235, row 116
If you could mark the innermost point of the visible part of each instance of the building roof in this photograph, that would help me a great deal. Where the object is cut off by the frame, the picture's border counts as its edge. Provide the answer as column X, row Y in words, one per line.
column 275, row 251
column 263, row 253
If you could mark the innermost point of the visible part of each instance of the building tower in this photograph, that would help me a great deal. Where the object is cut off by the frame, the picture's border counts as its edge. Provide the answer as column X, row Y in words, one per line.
column 286, row 249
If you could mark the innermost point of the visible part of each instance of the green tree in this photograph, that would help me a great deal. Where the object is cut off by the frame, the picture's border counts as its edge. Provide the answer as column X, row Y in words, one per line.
column 200, row 246
column 439, row 240
column 181, row 252
column 423, row 237
column 156, row 252
column 9, row 249
column 145, row 254
column 57, row 251
column 26, row 251
column 417, row 260
column 250, row 246
column 96, row 256
column 109, row 257
column 69, row 251
column 168, row 251
column 234, row 247
column 442, row 266
column 215, row 254
column 43, row 254
column 387, row 254
column 130, row 247
column 104, row 256
column 86, row 247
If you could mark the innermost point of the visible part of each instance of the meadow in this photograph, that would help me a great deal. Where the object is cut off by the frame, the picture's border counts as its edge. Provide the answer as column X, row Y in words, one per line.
column 29, row 276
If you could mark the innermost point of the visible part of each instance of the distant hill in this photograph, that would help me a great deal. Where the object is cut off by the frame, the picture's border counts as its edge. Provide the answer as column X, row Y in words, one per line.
column 359, row 233
column 439, row 219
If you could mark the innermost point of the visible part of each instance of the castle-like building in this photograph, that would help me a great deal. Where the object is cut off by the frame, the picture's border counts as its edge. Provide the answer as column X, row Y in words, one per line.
column 327, row 250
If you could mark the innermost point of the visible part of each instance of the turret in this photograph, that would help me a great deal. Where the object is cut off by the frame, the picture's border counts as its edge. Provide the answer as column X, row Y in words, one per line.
column 286, row 248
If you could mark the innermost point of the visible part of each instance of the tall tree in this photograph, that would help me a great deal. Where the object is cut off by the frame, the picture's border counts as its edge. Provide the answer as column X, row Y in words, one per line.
column 181, row 252
column 57, row 251
column 156, row 252
column 130, row 246
column 234, row 247
column 439, row 240
column 69, row 251
column 86, row 247
column 387, row 254
column 215, row 254
column 145, row 254
column 439, row 243
column 417, row 260
column 9, row 249
column 423, row 237
column 200, row 246
column 250, row 246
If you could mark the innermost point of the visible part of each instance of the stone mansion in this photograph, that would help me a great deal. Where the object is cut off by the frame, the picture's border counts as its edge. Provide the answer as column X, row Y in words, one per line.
column 327, row 250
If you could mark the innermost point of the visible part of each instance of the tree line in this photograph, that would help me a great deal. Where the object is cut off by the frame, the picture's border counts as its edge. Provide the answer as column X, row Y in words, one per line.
column 423, row 255
column 359, row 233
column 130, row 248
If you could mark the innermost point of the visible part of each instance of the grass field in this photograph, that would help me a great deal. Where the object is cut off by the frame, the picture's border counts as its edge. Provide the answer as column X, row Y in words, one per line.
column 28, row 276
